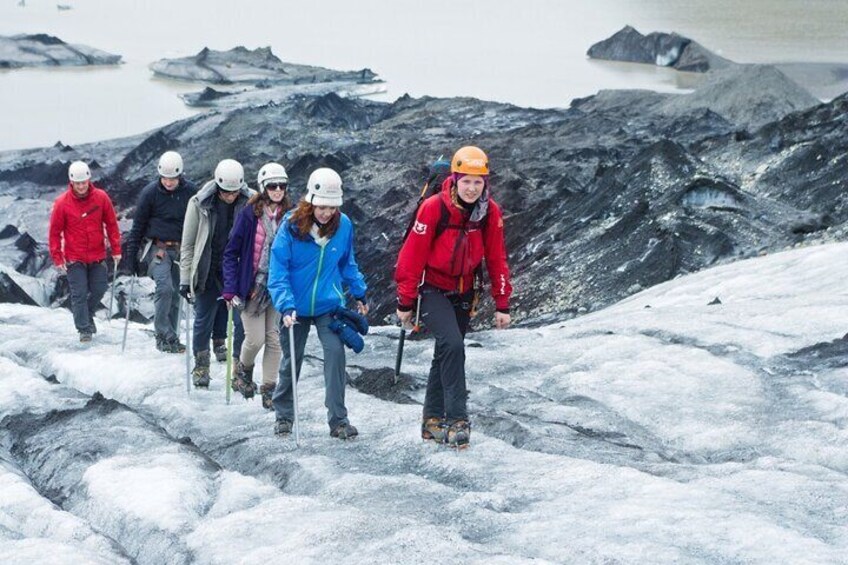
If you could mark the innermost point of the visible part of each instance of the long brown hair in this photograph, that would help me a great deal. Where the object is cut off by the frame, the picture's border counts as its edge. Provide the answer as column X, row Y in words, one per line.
column 261, row 199
column 303, row 218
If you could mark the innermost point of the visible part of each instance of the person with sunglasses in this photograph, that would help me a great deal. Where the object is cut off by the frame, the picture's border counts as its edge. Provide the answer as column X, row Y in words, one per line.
column 246, row 264
column 209, row 219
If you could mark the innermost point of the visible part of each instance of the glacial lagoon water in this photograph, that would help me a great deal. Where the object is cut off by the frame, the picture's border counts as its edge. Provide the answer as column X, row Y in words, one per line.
column 529, row 53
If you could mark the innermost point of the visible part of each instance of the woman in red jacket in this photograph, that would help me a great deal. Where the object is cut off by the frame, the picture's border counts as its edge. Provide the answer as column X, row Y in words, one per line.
column 77, row 244
column 453, row 232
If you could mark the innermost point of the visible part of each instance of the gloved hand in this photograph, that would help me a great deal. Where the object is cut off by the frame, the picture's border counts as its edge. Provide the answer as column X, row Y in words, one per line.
column 185, row 292
column 231, row 299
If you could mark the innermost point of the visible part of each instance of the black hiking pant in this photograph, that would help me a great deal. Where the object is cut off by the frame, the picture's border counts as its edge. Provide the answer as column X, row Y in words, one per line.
column 447, row 316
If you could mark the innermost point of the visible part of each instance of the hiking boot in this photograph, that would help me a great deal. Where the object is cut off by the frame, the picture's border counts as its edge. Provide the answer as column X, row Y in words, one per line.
column 200, row 373
column 434, row 429
column 459, row 434
column 219, row 347
column 176, row 345
column 243, row 381
column 282, row 427
column 267, row 392
column 85, row 337
column 344, row 431
column 169, row 344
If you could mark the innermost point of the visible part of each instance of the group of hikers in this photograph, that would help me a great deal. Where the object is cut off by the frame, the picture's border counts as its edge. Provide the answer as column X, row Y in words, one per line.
column 254, row 258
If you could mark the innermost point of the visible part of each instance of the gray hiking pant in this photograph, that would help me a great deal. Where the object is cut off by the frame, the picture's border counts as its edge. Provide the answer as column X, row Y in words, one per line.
column 447, row 317
column 88, row 283
column 165, row 271
column 334, row 370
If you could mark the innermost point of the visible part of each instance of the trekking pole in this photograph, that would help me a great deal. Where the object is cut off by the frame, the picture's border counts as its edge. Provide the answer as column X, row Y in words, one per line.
column 114, row 280
column 399, row 358
column 179, row 314
column 127, row 321
column 228, row 385
column 294, row 386
column 188, row 346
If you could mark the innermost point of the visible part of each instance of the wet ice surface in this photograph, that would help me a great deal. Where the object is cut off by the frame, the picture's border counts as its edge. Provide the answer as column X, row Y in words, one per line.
column 661, row 429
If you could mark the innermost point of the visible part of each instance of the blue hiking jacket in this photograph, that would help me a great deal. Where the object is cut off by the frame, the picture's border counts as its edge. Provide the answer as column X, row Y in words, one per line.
column 310, row 279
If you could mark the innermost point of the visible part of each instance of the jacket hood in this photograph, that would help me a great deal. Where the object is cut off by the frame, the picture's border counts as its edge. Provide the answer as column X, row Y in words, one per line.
column 205, row 194
column 480, row 208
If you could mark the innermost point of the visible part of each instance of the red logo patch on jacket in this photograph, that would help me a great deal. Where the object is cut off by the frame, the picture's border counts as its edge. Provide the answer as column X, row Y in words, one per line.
column 419, row 228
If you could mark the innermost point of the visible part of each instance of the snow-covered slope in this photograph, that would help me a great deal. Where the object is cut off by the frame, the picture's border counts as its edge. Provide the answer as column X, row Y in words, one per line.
column 662, row 429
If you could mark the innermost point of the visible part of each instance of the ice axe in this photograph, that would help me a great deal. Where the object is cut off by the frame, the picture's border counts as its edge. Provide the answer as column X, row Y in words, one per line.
column 399, row 357
column 415, row 328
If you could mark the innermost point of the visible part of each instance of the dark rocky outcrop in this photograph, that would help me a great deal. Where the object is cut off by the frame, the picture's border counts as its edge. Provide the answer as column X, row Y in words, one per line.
column 241, row 65
column 12, row 293
column 263, row 78
column 749, row 95
column 260, row 95
column 824, row 80
column 41, row 50
column 657, row 48
column 617, row 193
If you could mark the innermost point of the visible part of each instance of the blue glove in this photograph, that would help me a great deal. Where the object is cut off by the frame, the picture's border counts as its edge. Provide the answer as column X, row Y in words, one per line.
column 348, row 335
column 352, row 318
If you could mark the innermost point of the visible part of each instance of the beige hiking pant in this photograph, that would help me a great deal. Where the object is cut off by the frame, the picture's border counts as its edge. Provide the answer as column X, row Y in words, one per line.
column 262, row 329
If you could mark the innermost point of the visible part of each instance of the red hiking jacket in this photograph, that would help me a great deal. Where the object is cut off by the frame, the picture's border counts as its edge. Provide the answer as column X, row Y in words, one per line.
column 451, row 258
column 79, row 226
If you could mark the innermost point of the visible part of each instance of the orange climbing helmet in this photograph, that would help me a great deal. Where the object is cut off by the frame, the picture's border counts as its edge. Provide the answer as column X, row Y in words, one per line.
column 470, row 160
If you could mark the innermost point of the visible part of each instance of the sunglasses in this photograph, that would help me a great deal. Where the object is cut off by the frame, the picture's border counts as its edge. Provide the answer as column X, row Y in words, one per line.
column 276, row 186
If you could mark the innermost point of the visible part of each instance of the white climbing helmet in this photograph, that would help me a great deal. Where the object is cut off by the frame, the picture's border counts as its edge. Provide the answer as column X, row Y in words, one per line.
column 170, row 165
column 271, row 172
column 324, row 188
column 79, row 172
column 229, row 175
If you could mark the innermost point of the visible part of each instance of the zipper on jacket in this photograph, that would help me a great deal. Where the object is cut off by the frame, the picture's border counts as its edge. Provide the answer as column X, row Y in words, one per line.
column 341, row 295
column 317, row 277
column 89, row 211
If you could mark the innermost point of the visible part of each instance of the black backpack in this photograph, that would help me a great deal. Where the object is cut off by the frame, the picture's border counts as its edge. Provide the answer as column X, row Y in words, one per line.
column 439, row 171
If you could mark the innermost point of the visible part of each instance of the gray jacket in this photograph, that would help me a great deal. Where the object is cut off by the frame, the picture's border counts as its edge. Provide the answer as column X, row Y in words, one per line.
column 195, row 248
